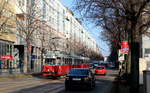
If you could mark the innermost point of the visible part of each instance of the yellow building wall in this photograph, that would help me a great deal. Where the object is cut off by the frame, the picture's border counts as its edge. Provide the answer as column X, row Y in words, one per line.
column 8, row 18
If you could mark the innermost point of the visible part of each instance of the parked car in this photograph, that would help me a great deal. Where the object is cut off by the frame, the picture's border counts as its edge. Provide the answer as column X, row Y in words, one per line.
column 100, row 70
column 80, row 77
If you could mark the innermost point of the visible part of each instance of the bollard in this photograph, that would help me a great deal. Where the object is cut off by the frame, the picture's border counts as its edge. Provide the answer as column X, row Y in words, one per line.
column 146, row 77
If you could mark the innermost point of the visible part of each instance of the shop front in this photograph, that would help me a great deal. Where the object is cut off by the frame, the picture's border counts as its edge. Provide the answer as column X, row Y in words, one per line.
column 10, row 56
column 7, row 63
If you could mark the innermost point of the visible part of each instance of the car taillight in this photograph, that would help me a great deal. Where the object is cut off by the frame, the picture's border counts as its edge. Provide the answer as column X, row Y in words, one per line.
column 67, row 78
column 87, row 78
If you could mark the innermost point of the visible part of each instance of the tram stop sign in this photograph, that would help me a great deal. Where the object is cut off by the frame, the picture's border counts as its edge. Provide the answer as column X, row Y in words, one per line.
column 124, row 47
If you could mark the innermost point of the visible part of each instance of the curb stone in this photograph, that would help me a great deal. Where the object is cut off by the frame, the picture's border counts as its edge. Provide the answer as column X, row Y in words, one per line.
column 15, row 76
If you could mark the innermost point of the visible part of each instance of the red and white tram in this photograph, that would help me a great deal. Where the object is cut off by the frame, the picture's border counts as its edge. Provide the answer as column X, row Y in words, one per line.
column 59, row 66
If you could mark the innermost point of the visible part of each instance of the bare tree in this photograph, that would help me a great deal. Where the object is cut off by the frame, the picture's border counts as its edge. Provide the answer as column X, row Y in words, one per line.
column 109, row 12
column 106, row 13
column 49, row 40
column 27, row 27
column 7, row 17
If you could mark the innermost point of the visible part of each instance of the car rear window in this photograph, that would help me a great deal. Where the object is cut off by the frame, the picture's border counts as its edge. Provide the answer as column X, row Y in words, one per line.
column 78, row 72
column 99, row 67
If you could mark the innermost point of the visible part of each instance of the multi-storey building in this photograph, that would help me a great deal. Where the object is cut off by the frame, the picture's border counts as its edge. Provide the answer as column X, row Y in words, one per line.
column 7, row 36
column 46, row 28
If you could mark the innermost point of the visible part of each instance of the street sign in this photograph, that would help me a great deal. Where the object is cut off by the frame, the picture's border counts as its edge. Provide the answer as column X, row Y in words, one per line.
column 120, row 56
column 124, row 47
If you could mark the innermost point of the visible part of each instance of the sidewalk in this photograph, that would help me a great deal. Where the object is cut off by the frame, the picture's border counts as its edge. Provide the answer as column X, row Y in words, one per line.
column 17, row 76
column 120, row 86
column 25, row 82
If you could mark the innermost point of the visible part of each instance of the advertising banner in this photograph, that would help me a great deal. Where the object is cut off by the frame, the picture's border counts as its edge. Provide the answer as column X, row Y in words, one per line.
column 124, row 47
column 6, row 57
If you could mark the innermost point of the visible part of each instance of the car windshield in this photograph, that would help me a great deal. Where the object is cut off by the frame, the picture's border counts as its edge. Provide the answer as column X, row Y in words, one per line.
column 78, row 72
column 99, row 67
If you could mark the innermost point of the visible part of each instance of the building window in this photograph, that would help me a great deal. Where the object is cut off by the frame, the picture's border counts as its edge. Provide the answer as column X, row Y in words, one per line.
column 32, row 2
column 147, row 51
column 44, row 8
column 21, row 2
column 5, row 54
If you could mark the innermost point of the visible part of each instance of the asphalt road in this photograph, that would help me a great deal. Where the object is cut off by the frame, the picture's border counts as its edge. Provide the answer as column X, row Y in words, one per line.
column 45, row 85
column 103, row 84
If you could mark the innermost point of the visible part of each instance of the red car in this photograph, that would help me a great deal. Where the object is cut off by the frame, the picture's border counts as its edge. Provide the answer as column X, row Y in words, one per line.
column 100, row 70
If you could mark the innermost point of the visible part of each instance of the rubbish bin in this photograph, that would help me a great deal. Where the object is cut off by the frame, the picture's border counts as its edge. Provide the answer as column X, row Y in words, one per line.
column 146, row 77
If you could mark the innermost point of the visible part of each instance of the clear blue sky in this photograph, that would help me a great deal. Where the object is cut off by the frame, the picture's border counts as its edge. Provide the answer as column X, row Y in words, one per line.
column 94, row 31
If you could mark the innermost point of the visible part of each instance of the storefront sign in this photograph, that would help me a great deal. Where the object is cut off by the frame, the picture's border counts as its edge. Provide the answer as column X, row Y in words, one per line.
column 34, row 56
column 120, row 56
column 6, row 57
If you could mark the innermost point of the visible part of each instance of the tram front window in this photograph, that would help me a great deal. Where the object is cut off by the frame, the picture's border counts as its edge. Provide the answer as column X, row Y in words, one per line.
column 49, row 63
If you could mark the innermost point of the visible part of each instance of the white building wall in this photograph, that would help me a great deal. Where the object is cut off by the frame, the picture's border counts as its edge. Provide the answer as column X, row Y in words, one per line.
column 59, row 18
column 146, row 46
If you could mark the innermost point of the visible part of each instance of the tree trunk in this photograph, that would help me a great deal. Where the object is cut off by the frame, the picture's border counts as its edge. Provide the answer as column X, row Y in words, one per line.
column 135, row 52
column 28, row 61
column 25, row 60
column 135, row 67
column 42, row 63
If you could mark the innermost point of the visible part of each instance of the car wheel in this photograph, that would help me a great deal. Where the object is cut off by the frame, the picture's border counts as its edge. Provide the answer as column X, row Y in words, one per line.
column 90, row 86
column 93, row 84
column 67, row 88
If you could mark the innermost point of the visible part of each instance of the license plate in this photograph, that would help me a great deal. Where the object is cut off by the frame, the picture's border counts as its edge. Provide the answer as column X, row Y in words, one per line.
column 76, row 79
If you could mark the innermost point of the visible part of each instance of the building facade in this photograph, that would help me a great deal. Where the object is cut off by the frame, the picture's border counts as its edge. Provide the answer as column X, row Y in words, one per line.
column 145, row 47
column 7, row 37
column 46, row 28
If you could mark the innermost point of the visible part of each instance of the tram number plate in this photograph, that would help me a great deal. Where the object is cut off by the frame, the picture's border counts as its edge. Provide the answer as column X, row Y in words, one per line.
column 76, row 79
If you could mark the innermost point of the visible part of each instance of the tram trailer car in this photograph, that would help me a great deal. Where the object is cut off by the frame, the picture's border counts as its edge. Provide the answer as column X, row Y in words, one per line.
column 55, row 70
